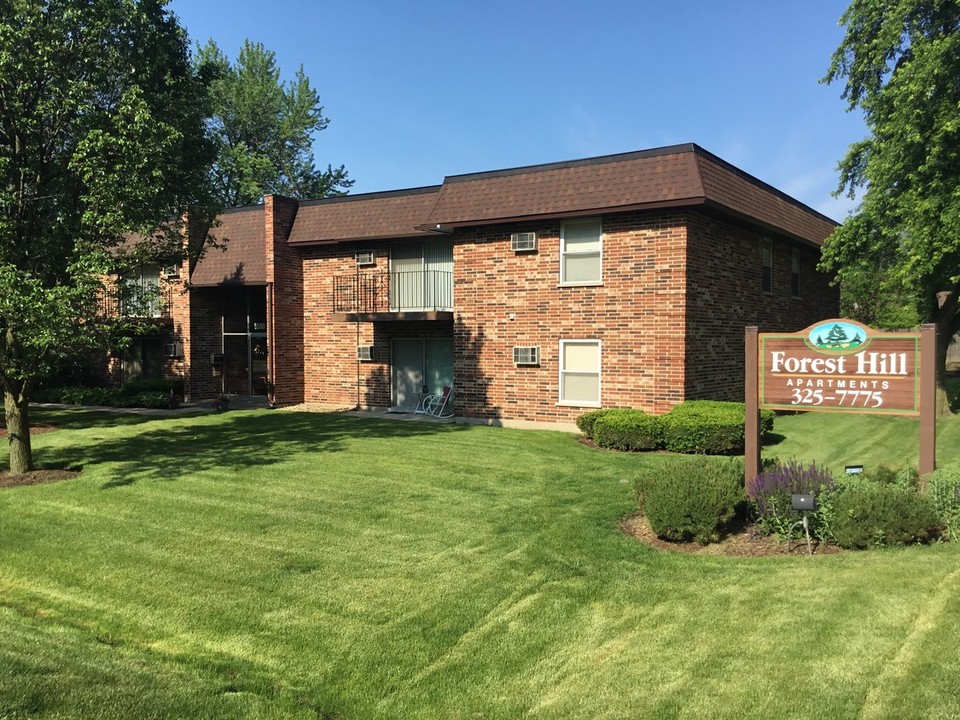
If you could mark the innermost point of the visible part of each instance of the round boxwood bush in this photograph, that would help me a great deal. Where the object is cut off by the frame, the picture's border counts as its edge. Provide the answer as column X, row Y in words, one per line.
column 628, row 430
column 587, row 421
column 867, row 514
column 692, row 498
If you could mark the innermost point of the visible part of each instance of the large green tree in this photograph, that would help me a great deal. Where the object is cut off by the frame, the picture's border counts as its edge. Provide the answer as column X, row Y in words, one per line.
column 102, row 134
column 265, row 129
column 900, row 62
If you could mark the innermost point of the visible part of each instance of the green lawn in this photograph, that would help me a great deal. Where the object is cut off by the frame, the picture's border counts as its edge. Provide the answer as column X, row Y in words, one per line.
column 269, row 564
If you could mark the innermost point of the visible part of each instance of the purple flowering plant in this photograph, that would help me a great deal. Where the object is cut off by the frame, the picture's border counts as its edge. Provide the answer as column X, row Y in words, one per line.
column 771, row 493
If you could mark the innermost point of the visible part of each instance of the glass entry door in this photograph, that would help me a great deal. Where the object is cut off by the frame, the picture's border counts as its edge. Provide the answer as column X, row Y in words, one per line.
column 419, row 363
column 245, row 351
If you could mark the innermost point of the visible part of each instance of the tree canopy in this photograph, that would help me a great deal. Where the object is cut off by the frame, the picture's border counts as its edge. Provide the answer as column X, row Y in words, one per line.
column 264, row 129
column 102, row 134
column 900, row 62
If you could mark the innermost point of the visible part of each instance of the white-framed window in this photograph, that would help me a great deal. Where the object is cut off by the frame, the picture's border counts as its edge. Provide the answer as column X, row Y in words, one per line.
column 766, row 258
column 580, row 252
column 580, row 373
column 795, row 272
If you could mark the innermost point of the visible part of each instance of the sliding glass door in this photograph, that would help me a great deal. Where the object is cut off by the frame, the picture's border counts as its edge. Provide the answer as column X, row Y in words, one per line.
column 419, row 363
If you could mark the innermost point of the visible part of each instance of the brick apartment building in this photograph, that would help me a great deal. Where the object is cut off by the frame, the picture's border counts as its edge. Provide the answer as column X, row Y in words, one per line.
column 537, row 293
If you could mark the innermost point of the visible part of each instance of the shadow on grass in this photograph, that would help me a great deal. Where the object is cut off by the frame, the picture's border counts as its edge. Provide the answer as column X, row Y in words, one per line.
column 79, row 419
column 176, row 448
column 953, row 393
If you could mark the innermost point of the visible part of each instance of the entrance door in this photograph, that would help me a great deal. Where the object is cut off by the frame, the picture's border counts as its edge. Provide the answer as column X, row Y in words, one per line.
column 419, row 363
column 258, row 364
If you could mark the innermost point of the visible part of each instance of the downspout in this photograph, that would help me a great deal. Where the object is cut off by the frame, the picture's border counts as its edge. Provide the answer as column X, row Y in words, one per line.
column 356, row 307
column 357, row 323
column 271, row 349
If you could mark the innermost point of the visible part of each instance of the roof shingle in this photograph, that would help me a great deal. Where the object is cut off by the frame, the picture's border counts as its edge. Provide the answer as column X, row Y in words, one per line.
column 673, row 176
column 370, row 216
column 243, row 261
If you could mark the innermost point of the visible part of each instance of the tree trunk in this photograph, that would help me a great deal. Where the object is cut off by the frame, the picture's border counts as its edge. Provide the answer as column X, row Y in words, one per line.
column 948, row 323
column 16, row 408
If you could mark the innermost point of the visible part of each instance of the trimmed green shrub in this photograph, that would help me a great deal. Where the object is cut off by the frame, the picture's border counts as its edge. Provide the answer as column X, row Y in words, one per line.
column 867, row 514
column 735, row 410
column 154, row 386
column 709, row 427
column 943, row 485
column 628, row 430
column 108, row 397
column 772, row 495
column 88, row 396
column 587, row 421
column 692, row 498
column 702, row 435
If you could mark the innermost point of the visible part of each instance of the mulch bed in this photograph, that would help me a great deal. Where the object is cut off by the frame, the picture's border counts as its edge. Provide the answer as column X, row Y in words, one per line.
column 746, row 542
column 34, row 429
column 34, row 477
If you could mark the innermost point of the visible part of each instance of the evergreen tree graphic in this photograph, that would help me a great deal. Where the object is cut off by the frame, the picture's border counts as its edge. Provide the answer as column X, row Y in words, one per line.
column 837, row 336
column 856, row 339
column 819, row 340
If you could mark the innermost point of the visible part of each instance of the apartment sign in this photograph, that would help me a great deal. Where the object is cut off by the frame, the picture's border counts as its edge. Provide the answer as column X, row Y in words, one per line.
column 840, row 366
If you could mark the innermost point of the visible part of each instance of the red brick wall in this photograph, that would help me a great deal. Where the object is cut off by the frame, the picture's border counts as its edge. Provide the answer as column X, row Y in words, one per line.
column 177, row 368
column 206, row 307
column 678, row 289
column 285, row 301
column 725, row 295
column 635, row 314
column 330, row 346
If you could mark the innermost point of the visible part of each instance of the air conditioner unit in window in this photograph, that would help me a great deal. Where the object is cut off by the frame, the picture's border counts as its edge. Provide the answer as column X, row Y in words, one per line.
column 365, row 353
column 366, row 257
column 173, row 350
column 526, row 355
column 523, row 242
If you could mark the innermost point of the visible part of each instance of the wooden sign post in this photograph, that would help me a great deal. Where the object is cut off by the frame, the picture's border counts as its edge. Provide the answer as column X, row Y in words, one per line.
column 841, row 366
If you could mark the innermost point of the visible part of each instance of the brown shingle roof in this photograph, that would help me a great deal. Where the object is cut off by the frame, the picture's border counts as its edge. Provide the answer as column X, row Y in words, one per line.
column 243, row 261
column 363, row 217
column 674, row 176
column 732, row 189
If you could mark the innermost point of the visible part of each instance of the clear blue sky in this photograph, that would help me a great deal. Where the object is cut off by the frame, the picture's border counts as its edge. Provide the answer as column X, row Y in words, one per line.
column 418, row 90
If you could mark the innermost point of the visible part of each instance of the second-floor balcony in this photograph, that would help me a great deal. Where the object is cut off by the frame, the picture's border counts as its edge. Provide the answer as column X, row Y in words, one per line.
column 404, row 295
column 136, row 302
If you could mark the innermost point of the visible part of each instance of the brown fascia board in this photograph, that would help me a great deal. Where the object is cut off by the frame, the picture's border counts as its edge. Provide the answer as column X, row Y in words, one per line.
column 414, row 234
column 228, row 284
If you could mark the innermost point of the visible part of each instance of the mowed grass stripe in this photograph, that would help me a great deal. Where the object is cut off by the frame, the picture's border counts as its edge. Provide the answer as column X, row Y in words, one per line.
column 370, row 569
